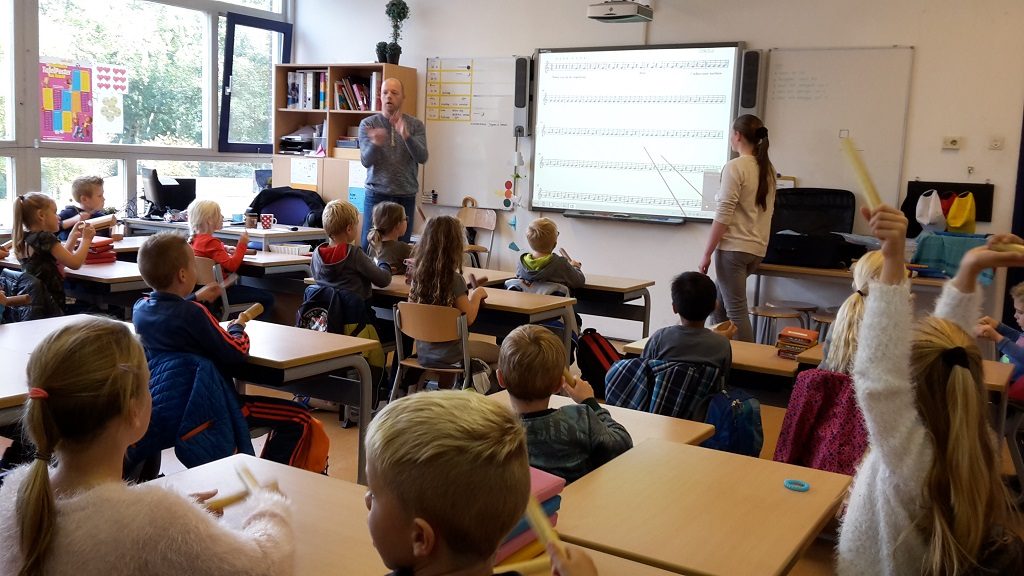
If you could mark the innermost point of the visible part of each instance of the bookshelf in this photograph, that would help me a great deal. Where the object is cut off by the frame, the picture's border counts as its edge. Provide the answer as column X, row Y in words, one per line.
column 288, row 120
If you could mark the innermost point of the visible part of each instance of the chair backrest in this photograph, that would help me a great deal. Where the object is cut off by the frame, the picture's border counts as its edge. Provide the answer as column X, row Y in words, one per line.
column 477, row 217
column 289, row 210
column 209, row 272
column 679, row 389
column 823, row 427
column 545, row 288
column 15, row 283
column 428, row 322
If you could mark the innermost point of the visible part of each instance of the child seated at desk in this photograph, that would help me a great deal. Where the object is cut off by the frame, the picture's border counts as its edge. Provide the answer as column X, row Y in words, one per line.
column 437, row 280
column 389, row 224
column 572, row 440
column 541, row 264
column 694, row 298
column 40, row 252
column 1008, row 341
column 172, row 319
column 87, row 192
column 205, row 218
column 447, row 478
column 341, row 264
column 79, row 517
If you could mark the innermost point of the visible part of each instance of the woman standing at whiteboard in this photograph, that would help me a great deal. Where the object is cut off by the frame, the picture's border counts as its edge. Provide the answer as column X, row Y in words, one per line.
column 743, row 221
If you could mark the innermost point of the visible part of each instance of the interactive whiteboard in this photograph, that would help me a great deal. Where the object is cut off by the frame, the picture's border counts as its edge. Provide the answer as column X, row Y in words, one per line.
column 631, row 131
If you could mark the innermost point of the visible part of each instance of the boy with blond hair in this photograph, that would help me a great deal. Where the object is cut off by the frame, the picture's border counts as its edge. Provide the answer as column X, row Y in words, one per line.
column 205, row 218
column 339, row 263
column 87, row 192
column 447, row 478
column 172, row 319
column 541, row 264
column 572, row 440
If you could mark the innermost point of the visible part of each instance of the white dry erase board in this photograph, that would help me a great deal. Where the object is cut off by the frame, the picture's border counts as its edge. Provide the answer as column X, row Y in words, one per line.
column 815, row 97
column 469, row 119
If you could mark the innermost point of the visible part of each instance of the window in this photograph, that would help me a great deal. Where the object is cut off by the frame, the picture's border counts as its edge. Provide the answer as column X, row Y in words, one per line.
column 122, row 72
column 6, row 70
column 230, row 184
column 250, row 47
column 6, row 191
column 59, row 173
column 271, row 5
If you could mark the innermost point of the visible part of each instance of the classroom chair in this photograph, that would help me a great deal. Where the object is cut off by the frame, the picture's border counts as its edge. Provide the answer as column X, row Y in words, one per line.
column 429, row 323
column 474, row 220
column 804, row 308
column 208, row 271
column 767, row 329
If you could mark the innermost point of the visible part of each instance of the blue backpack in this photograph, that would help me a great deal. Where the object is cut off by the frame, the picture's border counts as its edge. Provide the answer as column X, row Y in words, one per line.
column 736, row 417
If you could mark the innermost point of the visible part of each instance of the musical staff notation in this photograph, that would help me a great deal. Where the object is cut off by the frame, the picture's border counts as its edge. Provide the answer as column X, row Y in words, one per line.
column 670, row 65
column 573, row 196
column 623, row 165
column 634, row 99
column 632, row 132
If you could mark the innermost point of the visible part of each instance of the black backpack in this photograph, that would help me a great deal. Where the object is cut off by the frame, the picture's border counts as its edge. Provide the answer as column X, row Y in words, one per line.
column 594, row 357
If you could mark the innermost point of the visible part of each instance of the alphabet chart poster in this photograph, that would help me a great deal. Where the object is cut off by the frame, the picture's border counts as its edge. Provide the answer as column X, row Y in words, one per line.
column 66, row 102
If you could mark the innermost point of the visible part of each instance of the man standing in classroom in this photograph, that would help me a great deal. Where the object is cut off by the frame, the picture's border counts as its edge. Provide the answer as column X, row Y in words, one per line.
column 392, row 145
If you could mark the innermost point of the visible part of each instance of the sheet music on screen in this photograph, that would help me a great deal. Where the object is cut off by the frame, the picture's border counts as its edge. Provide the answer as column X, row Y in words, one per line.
column 623, row 130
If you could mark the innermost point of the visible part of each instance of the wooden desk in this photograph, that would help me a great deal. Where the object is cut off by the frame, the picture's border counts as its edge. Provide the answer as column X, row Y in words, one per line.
column 276, row 235
column 329, row 517
column 812, row 356
column 118, row 276
column 749, row 356
column 398, row 287
column 267, row 263
column 641, row 425
column 609, row 296
column 697, row 511
column 17, row 341
column 311, row 363
column 328, row 514
column 128, row 244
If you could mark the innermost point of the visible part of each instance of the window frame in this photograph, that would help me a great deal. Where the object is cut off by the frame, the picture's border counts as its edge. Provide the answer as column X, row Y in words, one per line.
column 27, row 149
column 234, row 20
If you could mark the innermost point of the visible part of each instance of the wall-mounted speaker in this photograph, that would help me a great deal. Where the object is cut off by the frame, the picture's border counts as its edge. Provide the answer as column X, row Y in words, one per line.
column 521, row 100
column 752, row 74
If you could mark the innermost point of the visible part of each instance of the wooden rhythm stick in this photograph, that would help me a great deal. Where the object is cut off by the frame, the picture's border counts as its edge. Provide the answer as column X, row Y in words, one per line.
column 219, row 504
column 867, row 187
column 243, row 471
column 101, row 222
column 538, row 520
column 250, row 313
column 1008, row 248
column 564, row 254
column 539, row 565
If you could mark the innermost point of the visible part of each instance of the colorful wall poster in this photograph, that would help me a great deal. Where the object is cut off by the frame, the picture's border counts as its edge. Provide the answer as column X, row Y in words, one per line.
column 66, row 112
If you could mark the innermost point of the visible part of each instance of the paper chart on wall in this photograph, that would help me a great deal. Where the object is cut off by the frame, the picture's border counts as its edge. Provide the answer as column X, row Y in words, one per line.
column 111, row 85
column 66, row 97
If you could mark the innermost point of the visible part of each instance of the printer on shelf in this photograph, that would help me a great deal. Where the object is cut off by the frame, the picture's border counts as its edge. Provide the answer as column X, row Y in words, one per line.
column 299, row 142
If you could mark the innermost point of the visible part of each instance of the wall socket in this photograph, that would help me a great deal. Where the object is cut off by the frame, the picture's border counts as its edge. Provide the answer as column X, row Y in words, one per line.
column 996, row 143
column 951, row 142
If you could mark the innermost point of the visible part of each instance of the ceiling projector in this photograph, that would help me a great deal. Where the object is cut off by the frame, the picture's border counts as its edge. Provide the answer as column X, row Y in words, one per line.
column 620, row 11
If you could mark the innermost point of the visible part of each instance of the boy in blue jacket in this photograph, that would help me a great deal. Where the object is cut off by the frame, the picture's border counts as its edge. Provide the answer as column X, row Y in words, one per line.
column 173, row 319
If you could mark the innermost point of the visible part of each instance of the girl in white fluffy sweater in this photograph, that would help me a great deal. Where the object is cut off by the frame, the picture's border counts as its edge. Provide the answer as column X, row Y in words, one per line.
column 88, row 401
column 927, row 499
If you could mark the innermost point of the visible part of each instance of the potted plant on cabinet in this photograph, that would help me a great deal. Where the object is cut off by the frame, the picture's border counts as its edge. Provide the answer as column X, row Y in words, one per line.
column 382, row 51
column 398, row 12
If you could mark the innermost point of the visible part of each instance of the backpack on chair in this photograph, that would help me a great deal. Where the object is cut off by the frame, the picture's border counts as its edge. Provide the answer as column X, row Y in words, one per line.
column 736, row 417
column 594, row 357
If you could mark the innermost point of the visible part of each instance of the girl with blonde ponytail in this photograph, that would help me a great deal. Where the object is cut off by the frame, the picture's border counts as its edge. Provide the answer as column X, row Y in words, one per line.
column 842, row 338
column 68, row 512
column 927, row 500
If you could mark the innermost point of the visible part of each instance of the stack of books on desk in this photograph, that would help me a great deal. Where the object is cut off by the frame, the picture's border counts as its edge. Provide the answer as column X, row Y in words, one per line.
column 521, row 543
column 101, row 251
column 347, row 142
column 793, row 341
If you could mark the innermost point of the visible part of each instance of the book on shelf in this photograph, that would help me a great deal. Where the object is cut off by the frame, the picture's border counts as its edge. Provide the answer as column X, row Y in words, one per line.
column 292, row 96
column 375, row 91
column 340, row 102
column 323, row 90
column 360, row 95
